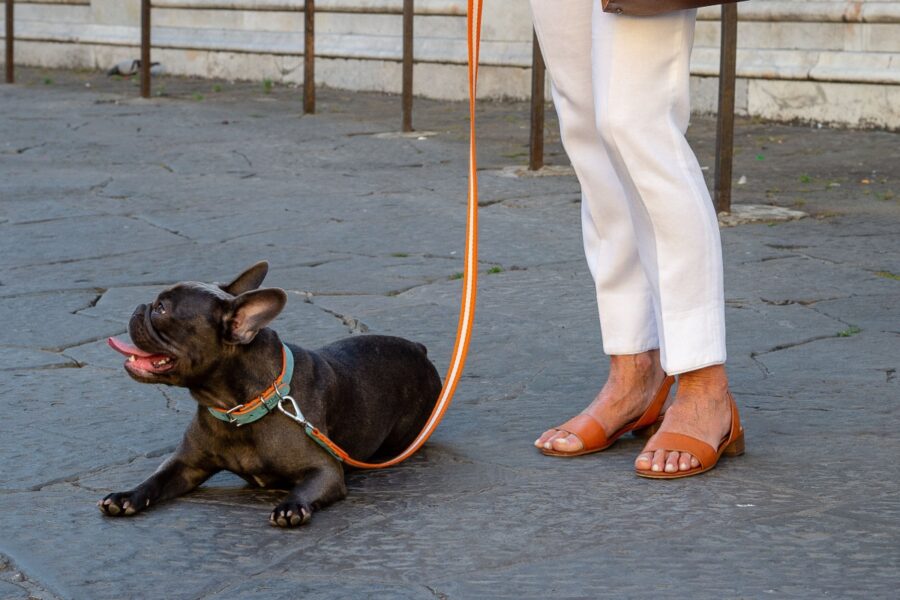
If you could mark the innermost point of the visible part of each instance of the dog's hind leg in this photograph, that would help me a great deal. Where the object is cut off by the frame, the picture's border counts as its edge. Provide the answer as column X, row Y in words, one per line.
column 320, row 487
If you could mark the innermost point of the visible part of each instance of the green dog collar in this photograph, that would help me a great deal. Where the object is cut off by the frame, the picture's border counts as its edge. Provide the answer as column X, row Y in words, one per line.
column 256, row 409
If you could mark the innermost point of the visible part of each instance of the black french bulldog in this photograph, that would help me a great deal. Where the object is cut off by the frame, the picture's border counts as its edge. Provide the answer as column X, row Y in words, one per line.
column 370, row 394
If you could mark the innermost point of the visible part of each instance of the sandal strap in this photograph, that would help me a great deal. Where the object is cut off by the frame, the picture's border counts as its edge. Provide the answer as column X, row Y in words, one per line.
column 651, row 415
column 678, row 442
column 736, row 427
column 587, row 429
column 591, row 432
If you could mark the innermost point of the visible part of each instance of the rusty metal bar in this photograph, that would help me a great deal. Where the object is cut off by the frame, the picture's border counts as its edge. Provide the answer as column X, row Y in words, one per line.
column 536, row 138
column 725, row 121
column 407, row 95
column 10, row 38
column 145, row 48
column 309, row 57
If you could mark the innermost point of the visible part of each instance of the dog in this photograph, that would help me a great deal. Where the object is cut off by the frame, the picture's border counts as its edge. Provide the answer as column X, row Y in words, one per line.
column 370, row 394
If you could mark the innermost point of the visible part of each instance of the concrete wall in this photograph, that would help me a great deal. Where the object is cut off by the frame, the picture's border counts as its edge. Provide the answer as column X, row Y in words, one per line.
column 825, row 61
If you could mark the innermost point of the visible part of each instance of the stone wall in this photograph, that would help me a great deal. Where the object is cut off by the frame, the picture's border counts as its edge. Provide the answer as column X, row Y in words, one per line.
column 821, row 61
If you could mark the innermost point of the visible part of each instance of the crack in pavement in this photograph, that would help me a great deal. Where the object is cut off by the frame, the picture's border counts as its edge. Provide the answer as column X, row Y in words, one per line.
column 74, row 364
column 93, row 302
column 143, row 219
column 765, row 370
column 436, row 593
column 25, row 149
column 428, row 282
column 353, row 324
column 99, row 187
column 75, row 477
column 249, row 234
column 67, row 261
column 761, row 365
column 55, row 219
column 832, row 317
column 61, row 349
column 807, row 303
column 83, row 289
column 244, row 156
column 15, row 575
column 170, row 402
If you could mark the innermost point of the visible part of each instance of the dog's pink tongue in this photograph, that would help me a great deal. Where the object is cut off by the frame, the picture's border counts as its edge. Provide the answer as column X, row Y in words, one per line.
column 126, row 348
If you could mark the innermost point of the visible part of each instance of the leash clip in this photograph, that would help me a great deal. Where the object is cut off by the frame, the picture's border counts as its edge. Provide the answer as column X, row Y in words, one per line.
column 296, row 415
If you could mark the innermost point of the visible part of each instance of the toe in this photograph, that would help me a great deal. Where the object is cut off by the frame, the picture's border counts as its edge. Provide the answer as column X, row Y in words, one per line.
column 568, row 443
column 545, row 437
column 684, row 461
column 695, row 464
column 672, row 462
column 548, row 443
column 659, row 461
column 642, row 462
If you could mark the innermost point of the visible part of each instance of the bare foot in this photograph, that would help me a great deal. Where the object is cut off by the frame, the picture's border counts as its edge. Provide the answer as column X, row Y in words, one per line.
column 633, row 381
column 700, row 410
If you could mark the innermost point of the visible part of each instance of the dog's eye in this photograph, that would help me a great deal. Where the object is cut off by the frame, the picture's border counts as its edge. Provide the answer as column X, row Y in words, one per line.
column 159, row 308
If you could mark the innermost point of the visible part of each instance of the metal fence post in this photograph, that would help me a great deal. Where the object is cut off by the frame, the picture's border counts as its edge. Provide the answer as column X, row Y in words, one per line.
column 309, row 57
column 10, row 37
column 725, row 121
column 407, row 96
column 536, row 138
column 145, row 48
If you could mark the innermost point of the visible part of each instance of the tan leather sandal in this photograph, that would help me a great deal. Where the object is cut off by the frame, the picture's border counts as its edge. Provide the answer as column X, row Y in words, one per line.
column 593, row 439
column 731, row 445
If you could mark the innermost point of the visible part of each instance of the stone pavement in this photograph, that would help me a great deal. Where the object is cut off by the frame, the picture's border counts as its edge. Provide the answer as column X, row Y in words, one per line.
column 105, row 197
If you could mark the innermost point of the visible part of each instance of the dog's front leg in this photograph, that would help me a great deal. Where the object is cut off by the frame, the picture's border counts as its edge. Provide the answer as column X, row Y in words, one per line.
column 176, row 476
column 319, row 487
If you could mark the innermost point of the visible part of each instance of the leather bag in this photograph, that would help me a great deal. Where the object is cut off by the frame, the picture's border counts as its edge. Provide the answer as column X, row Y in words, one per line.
column 648, row 8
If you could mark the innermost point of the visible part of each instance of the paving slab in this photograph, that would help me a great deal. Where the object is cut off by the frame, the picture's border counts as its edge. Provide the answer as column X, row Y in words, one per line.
column 106, row 198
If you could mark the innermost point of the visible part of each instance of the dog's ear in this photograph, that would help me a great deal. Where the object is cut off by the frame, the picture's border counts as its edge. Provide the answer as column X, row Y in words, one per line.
column 250, row 279
column 250, row 312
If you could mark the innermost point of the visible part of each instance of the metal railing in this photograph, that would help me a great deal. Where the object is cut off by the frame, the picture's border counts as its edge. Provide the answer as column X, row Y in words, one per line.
column 725, row 116
column 309, row 54
column 536, row 136
column 10, row 39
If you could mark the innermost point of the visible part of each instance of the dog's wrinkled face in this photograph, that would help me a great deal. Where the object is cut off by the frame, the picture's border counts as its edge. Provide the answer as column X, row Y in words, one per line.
column 185, row 331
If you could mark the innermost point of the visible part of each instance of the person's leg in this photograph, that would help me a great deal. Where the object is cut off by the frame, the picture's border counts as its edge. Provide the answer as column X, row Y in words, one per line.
column 641, row 90
column 624, row 295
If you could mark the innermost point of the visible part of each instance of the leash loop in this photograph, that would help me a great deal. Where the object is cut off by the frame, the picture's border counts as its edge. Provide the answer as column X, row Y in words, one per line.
column 466, row 310
column 469, row 281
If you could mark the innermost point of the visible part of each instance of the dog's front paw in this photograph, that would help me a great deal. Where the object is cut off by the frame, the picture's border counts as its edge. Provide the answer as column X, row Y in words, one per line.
column 123, row 504
column 290, row 514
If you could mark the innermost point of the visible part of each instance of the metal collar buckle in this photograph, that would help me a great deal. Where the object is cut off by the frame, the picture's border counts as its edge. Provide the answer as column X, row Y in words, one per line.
column 231, row 419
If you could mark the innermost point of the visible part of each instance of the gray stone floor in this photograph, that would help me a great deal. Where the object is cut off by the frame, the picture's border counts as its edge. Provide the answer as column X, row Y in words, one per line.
column 106, row 197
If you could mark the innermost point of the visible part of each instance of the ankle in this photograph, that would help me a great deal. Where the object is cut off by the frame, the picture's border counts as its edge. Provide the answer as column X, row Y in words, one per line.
column 713, row 376
column 635, row 366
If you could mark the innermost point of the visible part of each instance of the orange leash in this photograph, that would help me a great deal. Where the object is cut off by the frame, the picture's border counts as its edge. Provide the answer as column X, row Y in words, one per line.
column 470, row 274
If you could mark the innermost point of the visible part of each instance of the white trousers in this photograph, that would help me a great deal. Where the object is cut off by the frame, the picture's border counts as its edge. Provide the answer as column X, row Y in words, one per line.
column 621, row 89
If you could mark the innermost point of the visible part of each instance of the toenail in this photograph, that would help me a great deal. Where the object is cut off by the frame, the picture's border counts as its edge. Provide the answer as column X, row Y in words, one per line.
column 655, row 468
column 548, row 445
column 671, row 468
